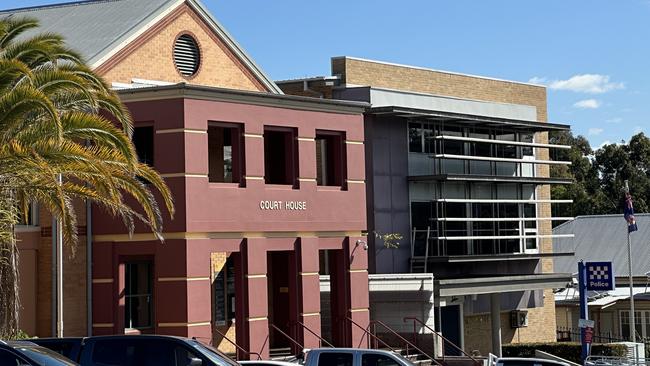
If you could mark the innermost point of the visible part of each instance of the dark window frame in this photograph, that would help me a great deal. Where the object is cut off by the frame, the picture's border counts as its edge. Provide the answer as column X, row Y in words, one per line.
column 337, row 155
column 238, row 152
column 151, row 161
column 290, row 155
column 151, row 293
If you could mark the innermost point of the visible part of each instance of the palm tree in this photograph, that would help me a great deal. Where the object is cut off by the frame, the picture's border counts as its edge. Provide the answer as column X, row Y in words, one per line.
column 59, row 120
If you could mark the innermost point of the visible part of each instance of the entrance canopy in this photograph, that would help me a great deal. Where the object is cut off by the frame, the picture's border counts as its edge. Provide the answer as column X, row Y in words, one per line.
column 490, row 285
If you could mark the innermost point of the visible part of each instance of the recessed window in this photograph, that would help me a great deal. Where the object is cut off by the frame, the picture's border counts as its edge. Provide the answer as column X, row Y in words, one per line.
column 143, row 141
column 187, row 55
column 138, row 307
column 225, row 153
column 330, row 158
column 280, row 155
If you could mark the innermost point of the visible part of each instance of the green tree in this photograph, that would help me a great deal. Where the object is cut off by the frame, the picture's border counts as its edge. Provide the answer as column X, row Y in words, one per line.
column 59, row 120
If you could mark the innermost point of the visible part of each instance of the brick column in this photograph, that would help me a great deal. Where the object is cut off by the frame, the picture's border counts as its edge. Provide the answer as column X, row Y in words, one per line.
column 308, row 292
column 349, row 294
column 253, row 300
column 357, row 285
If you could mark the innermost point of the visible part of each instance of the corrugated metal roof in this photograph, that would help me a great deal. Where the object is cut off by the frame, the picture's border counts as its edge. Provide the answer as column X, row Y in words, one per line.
column 604, row 238
column 94, row 27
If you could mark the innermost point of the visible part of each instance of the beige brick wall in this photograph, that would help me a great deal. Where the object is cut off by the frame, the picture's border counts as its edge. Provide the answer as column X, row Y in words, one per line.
column 377, row 74
column 541, row 327
column 153, row 59
column 74, row 279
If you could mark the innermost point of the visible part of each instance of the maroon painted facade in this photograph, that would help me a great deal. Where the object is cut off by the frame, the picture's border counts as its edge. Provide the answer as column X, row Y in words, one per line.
column 274, row 250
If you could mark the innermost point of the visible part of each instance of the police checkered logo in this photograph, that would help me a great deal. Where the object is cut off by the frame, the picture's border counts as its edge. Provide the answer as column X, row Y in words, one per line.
column 598, row 272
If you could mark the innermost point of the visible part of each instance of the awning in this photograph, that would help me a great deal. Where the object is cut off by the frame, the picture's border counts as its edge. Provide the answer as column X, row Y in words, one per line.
column 489, row 285
column 487, row 178
column 468, row 119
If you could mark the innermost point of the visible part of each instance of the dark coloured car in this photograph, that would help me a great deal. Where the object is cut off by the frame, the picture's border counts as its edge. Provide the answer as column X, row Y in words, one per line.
column 137, row 350
column 24, row 353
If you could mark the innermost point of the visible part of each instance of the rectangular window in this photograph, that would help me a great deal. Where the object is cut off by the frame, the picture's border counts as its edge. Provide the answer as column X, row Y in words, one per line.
column 223, row 289
column 138, row 280
column 415, row 137
column 225, row 153
column 143, row 141
column 330, row 158
column 280, row 155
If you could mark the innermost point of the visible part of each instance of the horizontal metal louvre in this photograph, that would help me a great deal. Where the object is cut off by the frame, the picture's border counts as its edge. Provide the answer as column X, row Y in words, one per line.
column 186, row 55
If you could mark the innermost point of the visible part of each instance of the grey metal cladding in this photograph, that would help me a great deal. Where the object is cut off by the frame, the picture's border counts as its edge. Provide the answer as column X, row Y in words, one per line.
column 93, row 28
column 604, row 238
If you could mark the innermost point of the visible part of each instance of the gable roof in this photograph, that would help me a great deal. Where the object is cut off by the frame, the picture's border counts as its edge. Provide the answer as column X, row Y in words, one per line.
column 100, row 28
column 604, row 238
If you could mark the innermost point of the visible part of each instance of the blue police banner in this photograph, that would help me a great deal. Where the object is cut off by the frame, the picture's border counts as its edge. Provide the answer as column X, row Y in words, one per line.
column 600, row 276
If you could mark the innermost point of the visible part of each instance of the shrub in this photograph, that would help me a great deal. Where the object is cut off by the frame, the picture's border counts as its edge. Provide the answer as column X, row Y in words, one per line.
column 567, row 350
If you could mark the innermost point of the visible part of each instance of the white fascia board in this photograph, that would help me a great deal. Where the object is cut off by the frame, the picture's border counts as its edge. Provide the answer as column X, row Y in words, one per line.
column 104, row 56
column 400, row 282
column 232, row 44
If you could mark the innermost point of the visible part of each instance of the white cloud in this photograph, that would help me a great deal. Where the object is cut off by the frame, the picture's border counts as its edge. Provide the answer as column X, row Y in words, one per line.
column 581, row 83
column 594, row 131
column 537, row 80
column 614, row 120
column 587, row 104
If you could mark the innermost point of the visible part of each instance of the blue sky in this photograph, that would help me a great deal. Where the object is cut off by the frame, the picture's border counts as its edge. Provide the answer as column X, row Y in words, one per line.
column 593, row 55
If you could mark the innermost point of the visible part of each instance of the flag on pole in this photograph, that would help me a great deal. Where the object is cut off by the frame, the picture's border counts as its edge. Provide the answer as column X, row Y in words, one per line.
column 628, row 213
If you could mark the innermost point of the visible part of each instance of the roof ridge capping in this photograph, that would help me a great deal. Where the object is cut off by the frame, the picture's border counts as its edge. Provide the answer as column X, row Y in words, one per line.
column 436, row 70
column 56, row 5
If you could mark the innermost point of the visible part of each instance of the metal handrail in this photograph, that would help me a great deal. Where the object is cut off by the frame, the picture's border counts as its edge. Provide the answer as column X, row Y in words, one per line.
column 259, row 357
column 365, row 330
column 300, row 346
column 414, row 319
column 433, row 359
column 321, row 339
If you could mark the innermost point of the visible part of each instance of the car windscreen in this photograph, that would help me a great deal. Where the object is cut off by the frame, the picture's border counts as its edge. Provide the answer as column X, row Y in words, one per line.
column 44, row 356
column 213, row 354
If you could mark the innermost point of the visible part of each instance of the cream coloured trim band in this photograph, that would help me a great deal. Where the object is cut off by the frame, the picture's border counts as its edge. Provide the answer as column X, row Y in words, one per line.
column 306, row 139
column 358, row 310
column 352, row 142
column 103, row 325
column 253, row 177
column 355, row 181
column 182, row 279
column 186, row 175
column 254, row 135
column 307, row 179
column 195, row 324
column 308, row 273
column 102, row 280
column 224, row 235
column 257, row 319
column 177, row 130
column 309, row 314
column 252, row 276
column 358, row 270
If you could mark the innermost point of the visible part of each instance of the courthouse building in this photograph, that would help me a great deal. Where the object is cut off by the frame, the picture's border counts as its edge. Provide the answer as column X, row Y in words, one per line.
column 459, row 165
column 269, row 192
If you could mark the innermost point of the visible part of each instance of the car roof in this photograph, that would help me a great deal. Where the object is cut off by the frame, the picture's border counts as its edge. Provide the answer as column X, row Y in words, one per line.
column 531, row 359
column 269, row 362
column 21, row 343
column 351, row 350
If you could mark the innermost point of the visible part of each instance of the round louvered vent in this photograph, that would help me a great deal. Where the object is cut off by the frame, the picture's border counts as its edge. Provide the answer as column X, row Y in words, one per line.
column 187, row 56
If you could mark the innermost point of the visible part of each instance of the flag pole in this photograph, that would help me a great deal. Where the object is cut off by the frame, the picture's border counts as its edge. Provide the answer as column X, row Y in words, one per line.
column 631, row 283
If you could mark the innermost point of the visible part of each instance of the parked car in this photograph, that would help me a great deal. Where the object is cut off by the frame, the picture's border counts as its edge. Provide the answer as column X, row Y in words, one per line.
column 268, row 363
column 354, row 357
column 137, row 350
column 24, row 353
